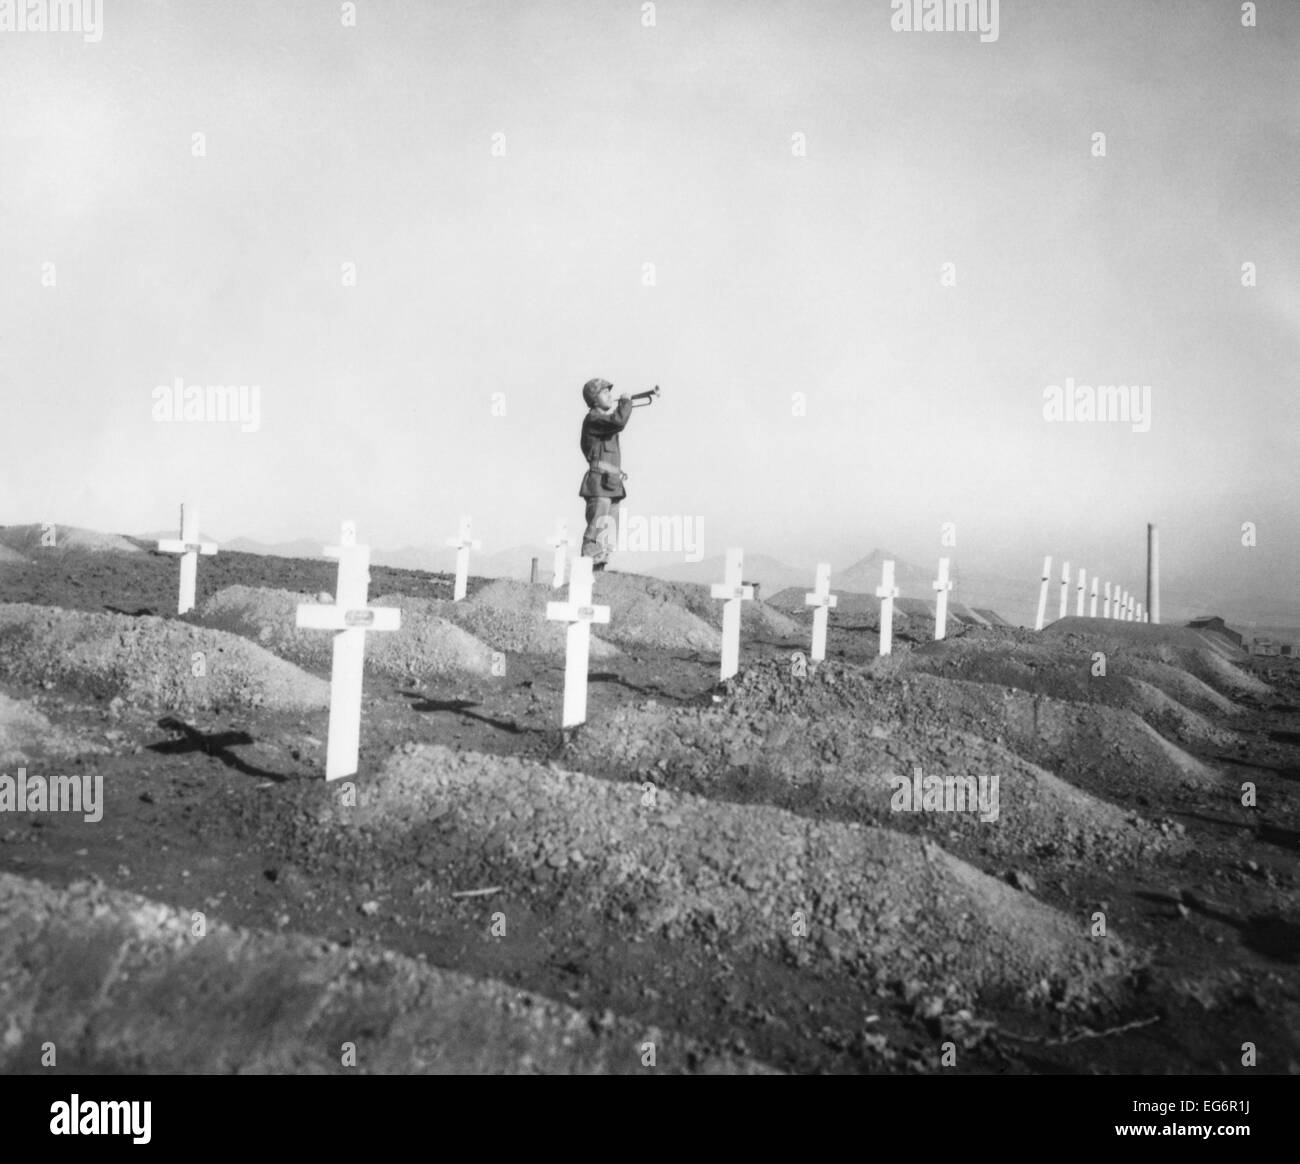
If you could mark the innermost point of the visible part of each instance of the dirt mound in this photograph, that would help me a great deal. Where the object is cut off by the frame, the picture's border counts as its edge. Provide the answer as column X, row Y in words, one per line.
column 625, row 592
column 1062, row 670
column 149, row 661
column 1183, row 647
column 511, row 616
column 10, row 557
column 425, row 644
column 27, row 539
column 891, row 908
column 1107, row 750
column 848, row 763
column 25, row 732
column 649, row 612
column 120, row 983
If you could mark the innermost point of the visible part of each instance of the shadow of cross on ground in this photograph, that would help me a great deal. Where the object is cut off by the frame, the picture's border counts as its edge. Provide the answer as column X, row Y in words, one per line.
column 423, row 703
column 213, row 744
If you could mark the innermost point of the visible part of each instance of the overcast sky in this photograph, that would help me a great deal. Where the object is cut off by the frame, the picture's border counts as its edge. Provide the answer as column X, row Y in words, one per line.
column 781, row 265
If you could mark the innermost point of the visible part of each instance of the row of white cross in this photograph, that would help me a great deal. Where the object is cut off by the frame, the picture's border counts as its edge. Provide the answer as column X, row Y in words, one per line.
column 1120, row 604
column 189, row 546
column 580, row 613
column 350, row 618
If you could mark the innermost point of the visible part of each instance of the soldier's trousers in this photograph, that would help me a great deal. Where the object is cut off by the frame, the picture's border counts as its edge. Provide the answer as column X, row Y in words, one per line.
column 602, row 529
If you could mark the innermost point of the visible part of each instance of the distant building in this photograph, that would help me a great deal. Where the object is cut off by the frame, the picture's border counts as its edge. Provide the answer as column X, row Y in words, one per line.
column 1287, row 649
column 1263, row 647
column 1216, row 625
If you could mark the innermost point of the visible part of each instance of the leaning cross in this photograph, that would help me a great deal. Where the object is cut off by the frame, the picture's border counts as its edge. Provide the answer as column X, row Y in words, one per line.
column 942, row 585
column 823, row 600
column 1042, row 593
column 463, row 543
column 561, row 542
column 579, row 613
column 886, row 592
column 189, row 547
column 351, row 618
column 735, row 592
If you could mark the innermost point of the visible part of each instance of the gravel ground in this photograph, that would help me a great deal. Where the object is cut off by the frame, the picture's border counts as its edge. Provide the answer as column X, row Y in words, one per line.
column 1064, row 670
column 25, row 733
column 840, row 740
column 1179, row 647
column 149, row 661
column 119, row 983
column 894, row 909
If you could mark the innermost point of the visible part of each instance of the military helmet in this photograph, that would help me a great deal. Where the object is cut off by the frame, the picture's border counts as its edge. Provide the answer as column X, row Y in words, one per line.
column 593, row 388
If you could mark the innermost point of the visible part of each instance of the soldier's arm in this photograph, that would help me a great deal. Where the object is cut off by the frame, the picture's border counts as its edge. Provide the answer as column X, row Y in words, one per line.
column 603, row 426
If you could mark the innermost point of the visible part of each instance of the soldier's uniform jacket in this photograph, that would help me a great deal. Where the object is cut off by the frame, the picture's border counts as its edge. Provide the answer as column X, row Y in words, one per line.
column 600, row 443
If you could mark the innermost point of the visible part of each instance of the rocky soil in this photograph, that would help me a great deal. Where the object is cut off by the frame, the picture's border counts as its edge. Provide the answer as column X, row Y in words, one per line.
column 705, row 878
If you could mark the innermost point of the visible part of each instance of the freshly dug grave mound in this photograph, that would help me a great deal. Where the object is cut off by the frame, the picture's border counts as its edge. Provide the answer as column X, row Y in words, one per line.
column 1104, row 750
column 1182, row 647
column 757, row 619
column 511, row 616
column 690, row 615
column 25, row 732
column 1057, row 670
column 120, row 984
column 890, row 908
column 27, row 540
column 149, row 661
column 851, row 766
column 425, row 644
column 1171, row 718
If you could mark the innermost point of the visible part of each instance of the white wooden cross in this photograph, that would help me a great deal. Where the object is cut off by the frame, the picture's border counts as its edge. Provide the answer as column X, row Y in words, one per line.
column 1105, row 609
column 561, row 542
column 942, row 585
column 823, row 600
column 463, row 543
column 351, row 618
column 1078, row 598
column 1139, row 612
column 1092, row 608
column 189, row 547
column 1065, row 589
column 735, row 592
column 1132, row 602
column 886, row 592
column 1128, row 606
column 579, row 613
column 1042, row 594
